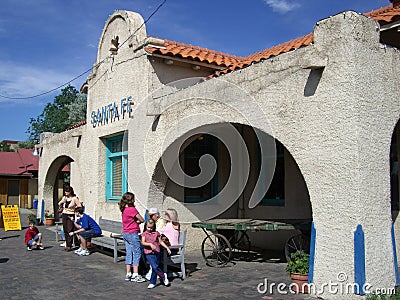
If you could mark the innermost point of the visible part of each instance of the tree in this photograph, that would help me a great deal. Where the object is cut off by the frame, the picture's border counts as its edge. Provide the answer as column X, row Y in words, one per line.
column 5, row 147
column 77, row 109
column 26, row 144
column 67, row 109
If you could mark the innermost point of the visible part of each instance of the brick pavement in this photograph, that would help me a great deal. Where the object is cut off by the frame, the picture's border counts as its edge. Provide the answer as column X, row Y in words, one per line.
column 55, row 274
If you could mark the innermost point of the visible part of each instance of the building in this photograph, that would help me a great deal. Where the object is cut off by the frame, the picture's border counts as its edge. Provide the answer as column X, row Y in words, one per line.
column 305, row 130
column 18, row 177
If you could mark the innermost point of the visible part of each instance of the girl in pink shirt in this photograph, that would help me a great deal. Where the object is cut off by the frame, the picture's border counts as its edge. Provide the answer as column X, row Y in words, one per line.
column 151, row 241
column 131, row 219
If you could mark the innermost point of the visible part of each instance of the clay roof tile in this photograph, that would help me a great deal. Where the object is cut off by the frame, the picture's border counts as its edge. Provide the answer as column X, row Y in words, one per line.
column 385, row 14
column 195, row 53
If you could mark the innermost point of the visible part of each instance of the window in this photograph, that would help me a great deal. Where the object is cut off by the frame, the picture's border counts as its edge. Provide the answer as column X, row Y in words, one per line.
column 116, row 168
column 275, row 196
column 204, row 144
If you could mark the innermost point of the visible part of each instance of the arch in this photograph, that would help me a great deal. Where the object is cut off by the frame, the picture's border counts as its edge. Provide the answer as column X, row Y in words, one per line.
column 165, row 192
column 50, row 185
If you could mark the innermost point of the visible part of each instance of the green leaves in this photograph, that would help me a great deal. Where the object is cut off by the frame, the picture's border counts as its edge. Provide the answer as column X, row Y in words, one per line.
column 299, row 263
column 4, row 147
column 67, row 109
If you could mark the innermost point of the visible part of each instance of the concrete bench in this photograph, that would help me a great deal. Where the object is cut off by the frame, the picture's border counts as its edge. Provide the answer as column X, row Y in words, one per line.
column 114, row 241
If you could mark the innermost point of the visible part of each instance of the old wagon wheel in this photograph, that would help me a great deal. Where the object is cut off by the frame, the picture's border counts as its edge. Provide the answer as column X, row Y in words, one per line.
column 216, row 250
column 295, row 243
column 240, row 243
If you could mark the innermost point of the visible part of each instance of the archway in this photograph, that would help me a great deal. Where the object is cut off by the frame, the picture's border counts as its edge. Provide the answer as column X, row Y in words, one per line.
column 54, row 180
column 286, row 198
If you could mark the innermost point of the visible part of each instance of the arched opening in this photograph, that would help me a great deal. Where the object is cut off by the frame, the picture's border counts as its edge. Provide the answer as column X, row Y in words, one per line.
column 58, row 175
column 282, row 196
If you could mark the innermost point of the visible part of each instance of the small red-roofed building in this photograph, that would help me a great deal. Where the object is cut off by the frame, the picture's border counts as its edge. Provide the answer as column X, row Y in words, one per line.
column 18, row 177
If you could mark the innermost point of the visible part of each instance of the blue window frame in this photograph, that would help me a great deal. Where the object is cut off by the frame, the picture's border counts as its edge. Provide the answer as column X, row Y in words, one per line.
column 275, row 196
column 204, row 144
column 116, row 168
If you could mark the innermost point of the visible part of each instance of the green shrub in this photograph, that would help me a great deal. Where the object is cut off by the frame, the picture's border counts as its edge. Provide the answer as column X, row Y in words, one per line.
column 299, row 263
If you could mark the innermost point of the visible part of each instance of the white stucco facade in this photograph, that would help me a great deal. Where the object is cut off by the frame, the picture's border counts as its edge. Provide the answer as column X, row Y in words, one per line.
column 333, row 105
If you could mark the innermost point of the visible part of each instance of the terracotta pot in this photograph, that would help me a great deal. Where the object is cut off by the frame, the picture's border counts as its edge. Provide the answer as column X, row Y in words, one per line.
column 299, row 283
column 49, row 221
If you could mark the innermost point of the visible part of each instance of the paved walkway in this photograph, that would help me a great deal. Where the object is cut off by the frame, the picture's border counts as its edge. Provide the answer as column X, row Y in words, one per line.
column 55, row 274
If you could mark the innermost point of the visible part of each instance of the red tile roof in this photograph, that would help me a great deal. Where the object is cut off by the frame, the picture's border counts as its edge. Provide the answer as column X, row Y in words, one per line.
column 22, row 163
column 270, row 52
column 282, row 48
column 76, row 125
column 384, row 15
column 195, row 53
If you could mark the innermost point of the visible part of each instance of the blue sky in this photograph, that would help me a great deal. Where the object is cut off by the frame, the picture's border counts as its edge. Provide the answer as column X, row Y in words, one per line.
column 46, row 43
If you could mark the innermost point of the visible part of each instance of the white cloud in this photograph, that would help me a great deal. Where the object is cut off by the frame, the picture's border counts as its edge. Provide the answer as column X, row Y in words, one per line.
column 17, row 81
column 281, row 6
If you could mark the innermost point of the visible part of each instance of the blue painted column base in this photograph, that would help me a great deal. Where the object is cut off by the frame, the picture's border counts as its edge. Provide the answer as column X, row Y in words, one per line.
column 396, row 266
column 359, row 261
column 312, row 254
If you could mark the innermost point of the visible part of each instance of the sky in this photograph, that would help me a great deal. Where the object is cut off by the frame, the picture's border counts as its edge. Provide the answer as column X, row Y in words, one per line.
column 44, row 44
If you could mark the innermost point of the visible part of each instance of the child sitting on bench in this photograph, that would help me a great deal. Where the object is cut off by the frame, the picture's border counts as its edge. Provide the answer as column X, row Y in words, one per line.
column 87, row 228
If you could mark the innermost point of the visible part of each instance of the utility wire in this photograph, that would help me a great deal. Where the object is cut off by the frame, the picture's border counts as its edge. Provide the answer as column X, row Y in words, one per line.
column 44, row 93
column 145, row 22
column 90, row 69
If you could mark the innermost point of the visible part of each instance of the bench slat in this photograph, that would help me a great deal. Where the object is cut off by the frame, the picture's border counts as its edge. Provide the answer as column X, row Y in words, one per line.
column 114, row 241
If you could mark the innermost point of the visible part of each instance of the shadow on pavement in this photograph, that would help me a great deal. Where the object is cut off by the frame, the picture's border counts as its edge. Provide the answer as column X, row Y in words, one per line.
column 9, row 237
column 261, row 256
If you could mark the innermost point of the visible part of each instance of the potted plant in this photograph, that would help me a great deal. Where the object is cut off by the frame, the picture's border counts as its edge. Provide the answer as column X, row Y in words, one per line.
column 298, row 267
column 49, row 216
column 32, row 217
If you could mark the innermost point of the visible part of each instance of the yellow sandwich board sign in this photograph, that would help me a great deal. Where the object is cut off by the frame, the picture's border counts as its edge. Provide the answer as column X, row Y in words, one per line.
column 11, row 218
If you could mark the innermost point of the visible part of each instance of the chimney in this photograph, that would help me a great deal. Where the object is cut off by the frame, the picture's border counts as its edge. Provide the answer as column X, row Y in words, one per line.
column 395, row 3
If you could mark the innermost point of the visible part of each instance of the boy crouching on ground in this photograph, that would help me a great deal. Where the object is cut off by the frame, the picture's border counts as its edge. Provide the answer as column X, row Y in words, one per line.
column 33, row 237
column 87, row 228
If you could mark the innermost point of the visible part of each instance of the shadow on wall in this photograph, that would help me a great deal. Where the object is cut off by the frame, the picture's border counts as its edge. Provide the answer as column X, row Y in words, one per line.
column 313, row 81
column 394, row 172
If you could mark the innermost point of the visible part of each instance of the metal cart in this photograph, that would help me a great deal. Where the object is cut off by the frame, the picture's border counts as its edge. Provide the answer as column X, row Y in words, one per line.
column 229, row 236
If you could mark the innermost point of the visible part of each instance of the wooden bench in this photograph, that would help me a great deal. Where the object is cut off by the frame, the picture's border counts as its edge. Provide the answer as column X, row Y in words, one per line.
column 114, row 241
column 176, row 259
